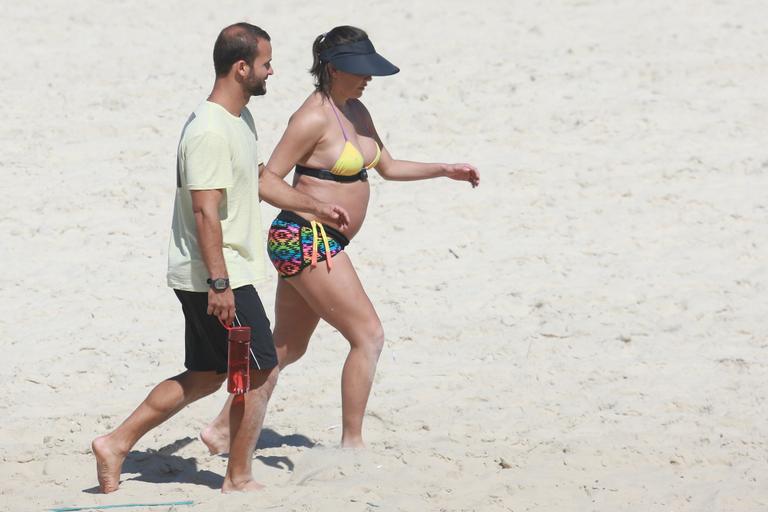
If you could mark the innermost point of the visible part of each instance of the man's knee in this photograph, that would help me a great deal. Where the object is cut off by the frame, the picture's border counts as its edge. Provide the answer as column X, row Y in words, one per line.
column 214, row 383
column 200, row 384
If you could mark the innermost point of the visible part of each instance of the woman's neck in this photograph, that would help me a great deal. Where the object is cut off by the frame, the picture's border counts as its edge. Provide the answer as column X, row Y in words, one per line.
column 338, row 99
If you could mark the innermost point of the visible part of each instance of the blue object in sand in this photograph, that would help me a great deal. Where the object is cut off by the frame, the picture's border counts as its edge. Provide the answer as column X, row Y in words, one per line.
column 126, row 505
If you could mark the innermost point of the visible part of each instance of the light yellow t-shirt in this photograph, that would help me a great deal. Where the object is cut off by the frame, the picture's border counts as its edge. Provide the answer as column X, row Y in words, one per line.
column 218, row 151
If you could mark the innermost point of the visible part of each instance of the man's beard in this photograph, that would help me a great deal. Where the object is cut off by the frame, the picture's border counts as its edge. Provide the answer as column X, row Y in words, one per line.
column 256, row 87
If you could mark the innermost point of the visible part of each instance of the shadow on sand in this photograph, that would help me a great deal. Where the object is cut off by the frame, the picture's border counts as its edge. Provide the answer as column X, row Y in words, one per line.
column 162, row 466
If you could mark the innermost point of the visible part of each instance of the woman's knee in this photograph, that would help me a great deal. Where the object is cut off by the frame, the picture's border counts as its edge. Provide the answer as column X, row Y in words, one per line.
column 378, row 339
column 287, row 354
column 371, row 339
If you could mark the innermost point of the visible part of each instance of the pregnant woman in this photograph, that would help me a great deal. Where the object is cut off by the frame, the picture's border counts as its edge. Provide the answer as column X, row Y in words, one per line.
column 331, row 144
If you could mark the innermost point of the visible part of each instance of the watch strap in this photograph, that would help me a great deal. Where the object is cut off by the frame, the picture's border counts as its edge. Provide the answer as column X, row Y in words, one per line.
column 219, row 283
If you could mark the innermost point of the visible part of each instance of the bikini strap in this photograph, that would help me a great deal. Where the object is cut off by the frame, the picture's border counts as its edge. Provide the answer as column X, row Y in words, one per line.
column 338, row 119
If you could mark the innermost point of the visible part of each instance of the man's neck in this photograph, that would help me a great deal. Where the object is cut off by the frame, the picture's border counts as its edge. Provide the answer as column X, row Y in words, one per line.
column 229, row 95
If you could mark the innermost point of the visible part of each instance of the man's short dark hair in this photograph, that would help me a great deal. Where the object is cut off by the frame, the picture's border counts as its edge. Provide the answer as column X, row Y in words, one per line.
column 236, row 42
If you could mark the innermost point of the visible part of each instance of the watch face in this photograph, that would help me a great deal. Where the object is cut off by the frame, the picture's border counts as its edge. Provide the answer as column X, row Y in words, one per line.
column 220, row 284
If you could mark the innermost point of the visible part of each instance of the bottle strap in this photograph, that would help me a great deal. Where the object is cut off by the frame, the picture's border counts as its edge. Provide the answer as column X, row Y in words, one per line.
column 227, row 327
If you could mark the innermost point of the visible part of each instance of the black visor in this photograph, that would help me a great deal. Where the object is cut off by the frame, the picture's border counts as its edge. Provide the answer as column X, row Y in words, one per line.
column 359, row 58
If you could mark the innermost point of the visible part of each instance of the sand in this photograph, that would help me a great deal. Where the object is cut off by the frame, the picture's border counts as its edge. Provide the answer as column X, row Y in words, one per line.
column 585, row 331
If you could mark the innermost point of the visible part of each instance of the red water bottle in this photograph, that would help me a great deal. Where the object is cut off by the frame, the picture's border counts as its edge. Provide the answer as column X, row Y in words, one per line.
column 238, row 360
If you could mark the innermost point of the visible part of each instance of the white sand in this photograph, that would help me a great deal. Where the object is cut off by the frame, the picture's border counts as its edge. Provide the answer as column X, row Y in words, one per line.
column 593, row 317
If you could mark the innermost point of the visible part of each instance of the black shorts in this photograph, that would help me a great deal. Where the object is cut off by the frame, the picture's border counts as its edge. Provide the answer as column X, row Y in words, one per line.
column 205, row 340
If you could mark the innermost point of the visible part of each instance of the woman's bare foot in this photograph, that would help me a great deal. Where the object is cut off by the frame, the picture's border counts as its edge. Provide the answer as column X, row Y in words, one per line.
column 215, row 439
column 244, row 486
column 109, row 463
column 352, row 442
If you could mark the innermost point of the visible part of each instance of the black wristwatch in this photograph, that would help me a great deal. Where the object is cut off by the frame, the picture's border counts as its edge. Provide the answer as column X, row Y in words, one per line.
column 219, row 284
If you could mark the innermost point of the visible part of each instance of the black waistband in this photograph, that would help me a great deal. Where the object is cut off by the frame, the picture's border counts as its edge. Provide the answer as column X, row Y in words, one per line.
column 325, row 174
column 289, row 216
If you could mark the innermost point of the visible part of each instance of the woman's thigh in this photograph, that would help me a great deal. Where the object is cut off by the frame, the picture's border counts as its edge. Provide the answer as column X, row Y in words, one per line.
column 339, row 298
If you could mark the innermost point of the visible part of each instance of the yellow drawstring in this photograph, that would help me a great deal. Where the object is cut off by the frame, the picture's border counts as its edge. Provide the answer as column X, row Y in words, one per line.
column 315, row 242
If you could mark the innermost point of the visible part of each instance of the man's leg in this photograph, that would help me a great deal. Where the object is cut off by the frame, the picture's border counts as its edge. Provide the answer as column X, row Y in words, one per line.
column 215, row 435
column 246, row 417
column 247, row 412
column 295, row 322
column 165, row 400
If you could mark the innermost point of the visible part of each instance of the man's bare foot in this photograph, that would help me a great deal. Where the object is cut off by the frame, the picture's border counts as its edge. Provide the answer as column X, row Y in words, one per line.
column 352, row 442
column 215, row 439
column 109, row 463
column 244, row 486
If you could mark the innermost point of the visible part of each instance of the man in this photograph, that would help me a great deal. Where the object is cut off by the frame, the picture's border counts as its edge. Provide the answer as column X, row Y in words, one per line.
column 216, row 254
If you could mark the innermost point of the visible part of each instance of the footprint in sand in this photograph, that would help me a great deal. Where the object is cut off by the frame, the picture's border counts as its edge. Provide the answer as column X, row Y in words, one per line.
column 325, row 464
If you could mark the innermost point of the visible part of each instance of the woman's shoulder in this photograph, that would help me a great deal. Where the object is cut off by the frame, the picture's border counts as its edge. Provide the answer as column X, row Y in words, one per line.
column 314, row 104
column 310, row 115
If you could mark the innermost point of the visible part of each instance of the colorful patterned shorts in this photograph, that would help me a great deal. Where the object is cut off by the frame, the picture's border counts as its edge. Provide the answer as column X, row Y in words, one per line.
column 295, row 243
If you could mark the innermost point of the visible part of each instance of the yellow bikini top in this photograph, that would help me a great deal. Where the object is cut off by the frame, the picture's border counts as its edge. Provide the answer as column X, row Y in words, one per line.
column 350, row 160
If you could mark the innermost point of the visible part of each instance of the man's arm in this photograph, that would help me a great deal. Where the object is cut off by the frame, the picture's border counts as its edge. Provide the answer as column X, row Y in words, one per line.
column 205, row 206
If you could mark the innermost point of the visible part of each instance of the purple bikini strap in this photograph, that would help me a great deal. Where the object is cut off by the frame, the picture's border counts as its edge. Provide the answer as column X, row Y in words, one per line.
column 339, row 120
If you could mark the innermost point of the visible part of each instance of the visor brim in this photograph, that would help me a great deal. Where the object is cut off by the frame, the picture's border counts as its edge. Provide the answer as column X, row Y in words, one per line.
column 371, row 64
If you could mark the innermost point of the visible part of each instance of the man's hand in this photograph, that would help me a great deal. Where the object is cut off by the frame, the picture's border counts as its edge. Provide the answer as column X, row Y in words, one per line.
column 463, row 172
column 222, row 305
column 332, row 214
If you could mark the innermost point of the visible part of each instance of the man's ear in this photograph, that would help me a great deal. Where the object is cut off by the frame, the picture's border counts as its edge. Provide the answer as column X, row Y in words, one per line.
column 241, row 68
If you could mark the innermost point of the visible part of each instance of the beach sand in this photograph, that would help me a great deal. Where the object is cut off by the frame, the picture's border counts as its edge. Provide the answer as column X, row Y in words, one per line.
column 585, row 331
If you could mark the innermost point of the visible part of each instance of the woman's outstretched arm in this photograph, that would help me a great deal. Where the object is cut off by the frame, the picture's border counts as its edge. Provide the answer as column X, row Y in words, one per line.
column 404, row 170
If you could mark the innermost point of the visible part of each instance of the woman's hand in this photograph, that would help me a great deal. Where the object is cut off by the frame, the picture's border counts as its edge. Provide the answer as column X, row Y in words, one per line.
column 332, row 214
column 463, row 172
